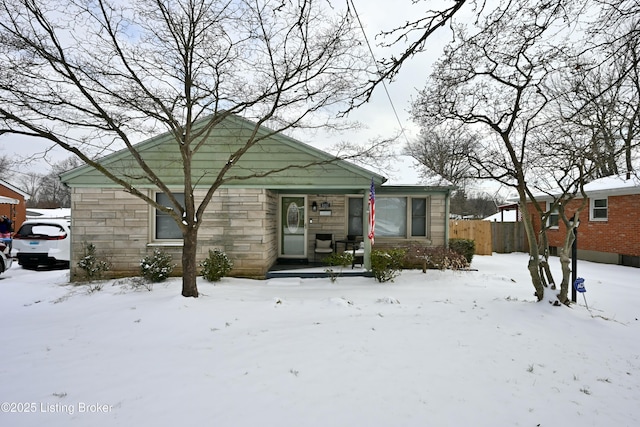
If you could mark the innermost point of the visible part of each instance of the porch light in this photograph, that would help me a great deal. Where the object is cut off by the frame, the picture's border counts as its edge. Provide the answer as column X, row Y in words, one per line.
column 314, row 206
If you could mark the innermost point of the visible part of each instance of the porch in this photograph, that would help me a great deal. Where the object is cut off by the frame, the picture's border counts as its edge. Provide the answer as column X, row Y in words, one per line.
column 310, row 270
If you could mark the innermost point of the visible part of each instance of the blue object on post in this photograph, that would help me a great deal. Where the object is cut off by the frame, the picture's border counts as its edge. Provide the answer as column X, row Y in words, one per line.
column 579, row 285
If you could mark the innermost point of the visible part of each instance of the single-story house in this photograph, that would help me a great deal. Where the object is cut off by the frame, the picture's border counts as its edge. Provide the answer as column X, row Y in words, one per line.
column 256, row 219
column 13, row 203
column 609, row 228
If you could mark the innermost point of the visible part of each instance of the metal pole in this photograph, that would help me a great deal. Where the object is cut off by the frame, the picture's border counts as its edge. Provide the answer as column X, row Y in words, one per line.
column 574, row 264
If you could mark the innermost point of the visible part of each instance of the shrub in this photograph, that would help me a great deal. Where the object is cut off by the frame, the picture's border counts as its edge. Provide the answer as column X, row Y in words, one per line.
column 387, row 264
column 444, row 259
column 93, row 265
column 465, row 247
column 216, row 266
column 429, row 257
column 157, row 266
column 337, row 260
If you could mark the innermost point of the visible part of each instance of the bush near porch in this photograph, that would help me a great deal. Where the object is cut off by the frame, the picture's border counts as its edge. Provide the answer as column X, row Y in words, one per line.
column 435, row 258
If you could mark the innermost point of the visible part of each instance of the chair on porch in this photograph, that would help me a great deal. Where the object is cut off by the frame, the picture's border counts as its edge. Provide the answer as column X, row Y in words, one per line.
column 323, row 245
column 357, row 249
column 358, row 254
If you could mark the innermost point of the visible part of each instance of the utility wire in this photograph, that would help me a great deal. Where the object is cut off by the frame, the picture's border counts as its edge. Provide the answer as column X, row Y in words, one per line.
column 386, row 90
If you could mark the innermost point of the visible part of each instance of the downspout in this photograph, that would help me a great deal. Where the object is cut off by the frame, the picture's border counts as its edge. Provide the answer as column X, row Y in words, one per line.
column 365, row 228
column 447, row 199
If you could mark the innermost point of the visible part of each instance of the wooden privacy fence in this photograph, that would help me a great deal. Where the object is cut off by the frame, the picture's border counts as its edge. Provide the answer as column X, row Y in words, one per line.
column 501, row 237
column 508, row 237
column 478, row 231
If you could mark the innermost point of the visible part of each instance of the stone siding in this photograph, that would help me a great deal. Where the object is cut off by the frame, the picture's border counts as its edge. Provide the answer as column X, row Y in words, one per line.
column 241, row 222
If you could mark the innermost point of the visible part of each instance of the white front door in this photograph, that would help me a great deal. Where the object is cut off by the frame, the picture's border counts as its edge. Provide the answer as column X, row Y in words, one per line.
column 293, row 230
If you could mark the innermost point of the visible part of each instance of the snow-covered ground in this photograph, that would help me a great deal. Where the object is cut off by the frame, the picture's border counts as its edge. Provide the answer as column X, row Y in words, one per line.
column 436, row 349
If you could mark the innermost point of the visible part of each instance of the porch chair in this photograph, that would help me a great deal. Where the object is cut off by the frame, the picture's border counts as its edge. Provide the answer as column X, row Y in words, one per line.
column 357, row 249
column 358, row 254
column 323, row 245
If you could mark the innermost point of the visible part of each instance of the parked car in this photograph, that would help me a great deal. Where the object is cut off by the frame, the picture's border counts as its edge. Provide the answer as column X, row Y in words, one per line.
column 43, row 242
column 5, row 257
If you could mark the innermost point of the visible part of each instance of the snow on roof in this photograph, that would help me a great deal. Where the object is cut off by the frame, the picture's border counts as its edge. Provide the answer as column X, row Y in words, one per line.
column 615, row 184
column 8, row 200
column 508, row 215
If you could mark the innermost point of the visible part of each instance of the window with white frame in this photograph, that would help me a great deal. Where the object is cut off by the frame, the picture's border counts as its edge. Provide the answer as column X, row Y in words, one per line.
column 401, row 217
column 391, row 216
column 599, row 209
column 165, row 227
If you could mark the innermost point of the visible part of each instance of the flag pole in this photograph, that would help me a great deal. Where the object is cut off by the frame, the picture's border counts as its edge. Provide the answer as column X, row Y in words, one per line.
column 370, row 201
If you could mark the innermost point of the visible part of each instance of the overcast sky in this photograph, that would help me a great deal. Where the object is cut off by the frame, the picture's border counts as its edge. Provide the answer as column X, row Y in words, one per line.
column 378, row 115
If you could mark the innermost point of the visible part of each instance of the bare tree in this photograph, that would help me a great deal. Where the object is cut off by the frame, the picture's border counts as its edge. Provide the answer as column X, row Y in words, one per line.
column 30, row 183
column 6, row 167
column 413, row 35
column 445, row 151
column 93, row 77
column 496, row 81
column 604, row 101
column 52, row 193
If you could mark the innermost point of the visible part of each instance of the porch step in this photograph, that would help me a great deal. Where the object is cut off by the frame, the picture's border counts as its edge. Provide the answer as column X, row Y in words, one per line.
column 314, row 274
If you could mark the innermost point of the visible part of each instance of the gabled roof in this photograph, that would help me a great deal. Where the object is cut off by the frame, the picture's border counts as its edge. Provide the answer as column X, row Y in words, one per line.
column 274, row 152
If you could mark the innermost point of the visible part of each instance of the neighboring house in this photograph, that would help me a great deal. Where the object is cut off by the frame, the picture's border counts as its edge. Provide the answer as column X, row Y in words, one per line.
column 13, row 203
column 609, row 229
column 256, row 220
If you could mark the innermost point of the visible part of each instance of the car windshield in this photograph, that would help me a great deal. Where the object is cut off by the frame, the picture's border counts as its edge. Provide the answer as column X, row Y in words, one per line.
column 40, row 230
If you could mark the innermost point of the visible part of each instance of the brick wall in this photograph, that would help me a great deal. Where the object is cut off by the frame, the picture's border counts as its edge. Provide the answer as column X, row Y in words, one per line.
column 619, row 234
column 16, row 213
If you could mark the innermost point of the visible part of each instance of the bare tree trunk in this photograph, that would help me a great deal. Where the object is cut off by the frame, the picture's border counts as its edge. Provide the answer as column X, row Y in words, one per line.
column 565, row 261
column 189, row 267
column 534, row 257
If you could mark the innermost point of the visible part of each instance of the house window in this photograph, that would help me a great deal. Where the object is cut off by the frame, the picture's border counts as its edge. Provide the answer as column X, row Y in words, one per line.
column 391, row 216
column 599, row 209
column 419, row 217
column 554, row 217
column 165, row 227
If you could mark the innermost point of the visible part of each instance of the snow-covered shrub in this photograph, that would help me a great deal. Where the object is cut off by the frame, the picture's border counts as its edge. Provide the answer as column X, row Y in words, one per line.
column 157, row 266
column 215, row 266
column 387, row 264
column 91, row 264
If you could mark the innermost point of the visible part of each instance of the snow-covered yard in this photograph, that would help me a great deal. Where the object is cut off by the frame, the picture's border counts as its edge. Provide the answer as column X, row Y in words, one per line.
column 436, row 349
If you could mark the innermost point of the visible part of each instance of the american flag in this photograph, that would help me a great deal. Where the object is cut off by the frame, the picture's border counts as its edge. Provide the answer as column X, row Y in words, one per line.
column 372, row 212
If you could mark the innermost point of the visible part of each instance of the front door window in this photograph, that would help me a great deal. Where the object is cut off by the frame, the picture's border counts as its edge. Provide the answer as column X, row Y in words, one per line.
column 293, row 232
